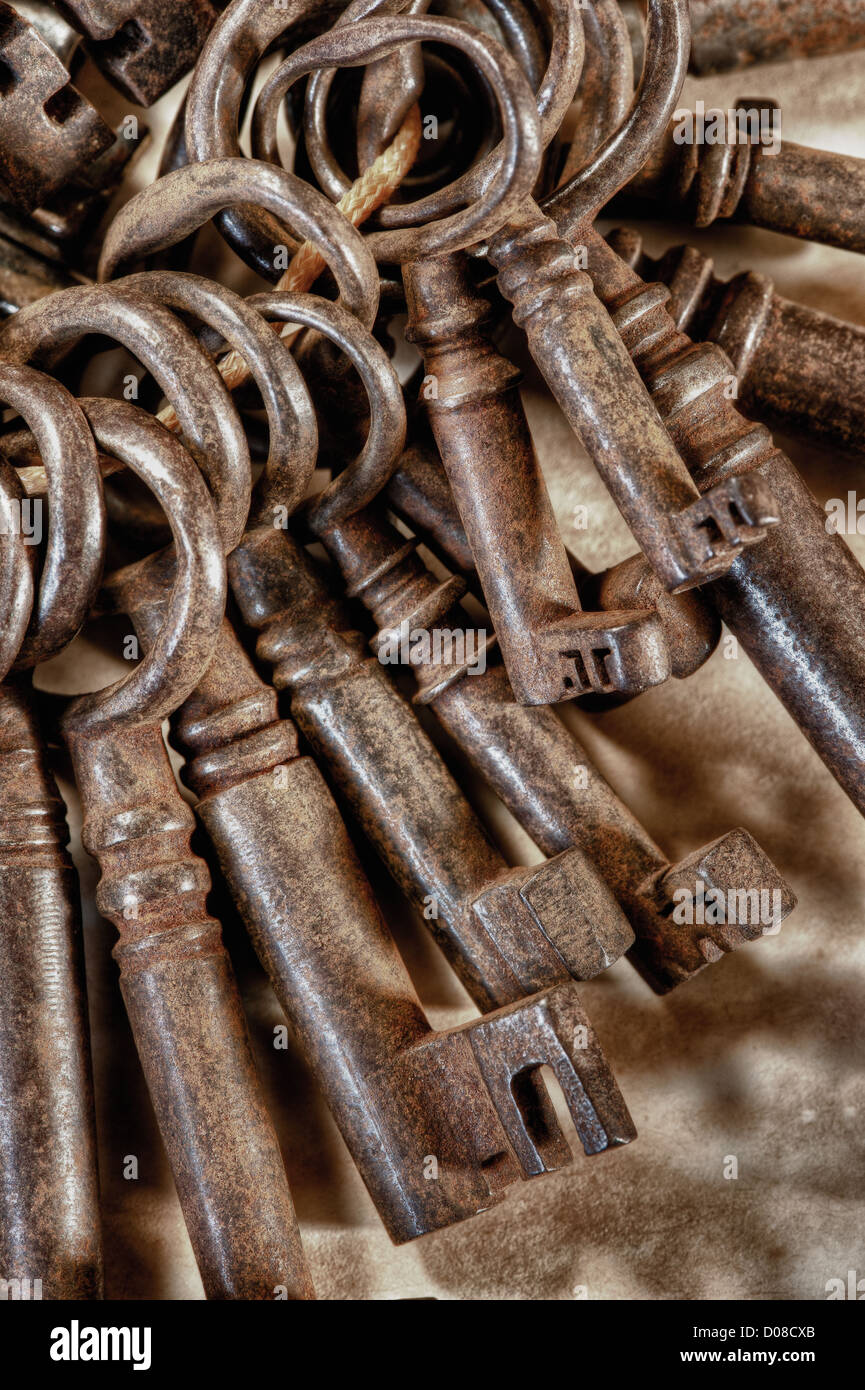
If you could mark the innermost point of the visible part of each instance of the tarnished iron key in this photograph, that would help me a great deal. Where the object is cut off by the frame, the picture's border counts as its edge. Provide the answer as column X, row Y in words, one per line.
column 577, row 349
column 419, row 493
column 48, row 131
column 143, row 46
column 176, row 977
column 552, row 650
column 818, row 195
column 50, row 1245
column 795, row 606
column 544, row 775
column 795, row 367
column 403, row 1096
column 50, row 1237
column 507, row 932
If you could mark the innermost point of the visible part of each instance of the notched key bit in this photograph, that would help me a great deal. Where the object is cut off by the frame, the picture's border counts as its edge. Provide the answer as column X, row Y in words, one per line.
column 502, row 944
column 143, row 46
column 587, row 368
column 711, row 902
column 401, row 1093
column 733, row 514
column 48, row 131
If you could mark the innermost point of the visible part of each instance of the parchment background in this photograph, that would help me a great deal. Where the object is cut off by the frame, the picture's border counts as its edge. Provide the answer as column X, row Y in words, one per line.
column 760, row 1057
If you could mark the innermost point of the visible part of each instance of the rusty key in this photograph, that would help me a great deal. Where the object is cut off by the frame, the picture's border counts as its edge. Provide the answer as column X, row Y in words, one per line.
column 50, row 1239
column 176, row 977
column 49, row 1208
column 380, row 1067
column 794, row 607
column 687, row 539
column 419, row 493
column 552, row 650
column 796, row 368
column 725, row 34
column 507, row 932
column 464, row 866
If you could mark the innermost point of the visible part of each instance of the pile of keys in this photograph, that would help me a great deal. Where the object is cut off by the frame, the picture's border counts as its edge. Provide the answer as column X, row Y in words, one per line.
column 320, row 506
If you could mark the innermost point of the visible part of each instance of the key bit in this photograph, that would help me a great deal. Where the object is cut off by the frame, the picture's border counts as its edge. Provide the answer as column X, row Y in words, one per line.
column 407, row 803
column 401, row 1093
column 176, row 977
column 143, row 46
column 48, row 131
column 419, row 493
column 728, row 892
column 726, row 35
column 794, row 601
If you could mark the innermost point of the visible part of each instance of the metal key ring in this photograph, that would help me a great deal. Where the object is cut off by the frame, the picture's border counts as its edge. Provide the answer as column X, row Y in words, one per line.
column 515, row 170
column 364, row 478
column 181, row 202
column 72, row 566
column 293, row 444
column 554, row 95
column 17, row 565
column 173, row 356
column 194, row 609
column 625, row 150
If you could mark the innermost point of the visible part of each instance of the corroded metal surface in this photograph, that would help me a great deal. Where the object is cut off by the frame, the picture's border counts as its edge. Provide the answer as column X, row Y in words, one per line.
column 729, row 34
column 49, row 1190
column 487, row 917
column 419, row 493
column 476, row 238
column 72, row 564
column 399, row 1093
column 794, row 603
column 392, row 1111
column 552, row 650
column 814, row 194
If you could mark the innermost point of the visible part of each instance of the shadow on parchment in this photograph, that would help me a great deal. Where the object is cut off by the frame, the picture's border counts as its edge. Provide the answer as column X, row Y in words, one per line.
column 656, row 1228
